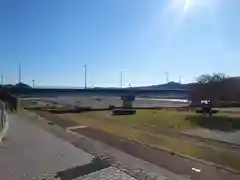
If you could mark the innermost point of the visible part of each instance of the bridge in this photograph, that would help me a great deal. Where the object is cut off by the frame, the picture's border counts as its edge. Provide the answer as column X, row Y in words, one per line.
column 42, row 92
column 127, row 95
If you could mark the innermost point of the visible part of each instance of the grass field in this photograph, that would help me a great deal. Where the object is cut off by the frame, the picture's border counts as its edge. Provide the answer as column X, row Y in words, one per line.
column 160, row 128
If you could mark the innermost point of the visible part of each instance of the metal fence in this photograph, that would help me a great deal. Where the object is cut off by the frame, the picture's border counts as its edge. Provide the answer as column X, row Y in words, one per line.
column 3, row 121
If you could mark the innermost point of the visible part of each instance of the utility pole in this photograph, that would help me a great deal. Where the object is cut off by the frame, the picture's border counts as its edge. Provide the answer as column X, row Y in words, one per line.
column 167, row 77
column 33, row 83
column 85, row 75
column 2, row 80
column 180, row 79
column 121, row 79
column 19, row 73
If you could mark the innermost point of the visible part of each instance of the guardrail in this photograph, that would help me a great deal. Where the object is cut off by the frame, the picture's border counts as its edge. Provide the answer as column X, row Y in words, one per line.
column 3, row 121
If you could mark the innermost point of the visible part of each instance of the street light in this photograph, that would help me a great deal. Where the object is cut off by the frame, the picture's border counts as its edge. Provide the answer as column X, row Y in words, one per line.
column 167, row 77
column 85, row 75
column 19, row 73
column 2, row 80
column 33, row 83
column 121, row 79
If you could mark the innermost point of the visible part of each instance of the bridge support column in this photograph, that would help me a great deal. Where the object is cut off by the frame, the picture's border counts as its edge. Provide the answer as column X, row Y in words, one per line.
column 127, row 101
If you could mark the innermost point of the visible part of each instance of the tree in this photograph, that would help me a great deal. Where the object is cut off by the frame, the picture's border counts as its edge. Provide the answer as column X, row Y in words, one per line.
column 206, row 78
column 210, row 87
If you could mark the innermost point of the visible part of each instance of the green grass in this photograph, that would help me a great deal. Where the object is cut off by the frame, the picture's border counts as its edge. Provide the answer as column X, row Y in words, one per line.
column 142, row 127
column 174, row 120
column 148, row 119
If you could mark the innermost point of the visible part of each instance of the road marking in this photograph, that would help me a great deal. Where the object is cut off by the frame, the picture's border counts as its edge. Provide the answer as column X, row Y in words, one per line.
column 69, row 129
column 196, row 170
column 77, row 127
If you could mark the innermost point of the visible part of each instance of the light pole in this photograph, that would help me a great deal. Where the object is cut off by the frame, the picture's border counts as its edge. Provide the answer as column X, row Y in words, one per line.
column 19, row 73
column 85, row 75
column 167, row 77
column 33, row 83
column 2, row 80
column 121, row 79
column 180, row 79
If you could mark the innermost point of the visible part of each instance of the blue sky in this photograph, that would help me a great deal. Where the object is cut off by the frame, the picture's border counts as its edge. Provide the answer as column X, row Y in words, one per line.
column 53, row 39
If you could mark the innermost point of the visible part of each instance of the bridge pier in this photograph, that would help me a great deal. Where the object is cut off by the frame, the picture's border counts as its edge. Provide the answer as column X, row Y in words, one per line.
column 127, row 101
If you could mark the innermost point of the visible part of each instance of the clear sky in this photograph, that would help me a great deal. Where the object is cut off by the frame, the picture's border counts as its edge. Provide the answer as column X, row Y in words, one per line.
column 53, row 39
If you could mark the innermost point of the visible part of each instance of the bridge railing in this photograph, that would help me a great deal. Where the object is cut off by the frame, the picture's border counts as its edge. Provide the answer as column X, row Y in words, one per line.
column 3, row 121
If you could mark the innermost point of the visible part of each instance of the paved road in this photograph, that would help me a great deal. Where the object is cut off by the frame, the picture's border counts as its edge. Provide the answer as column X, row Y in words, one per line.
column 29, row 152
